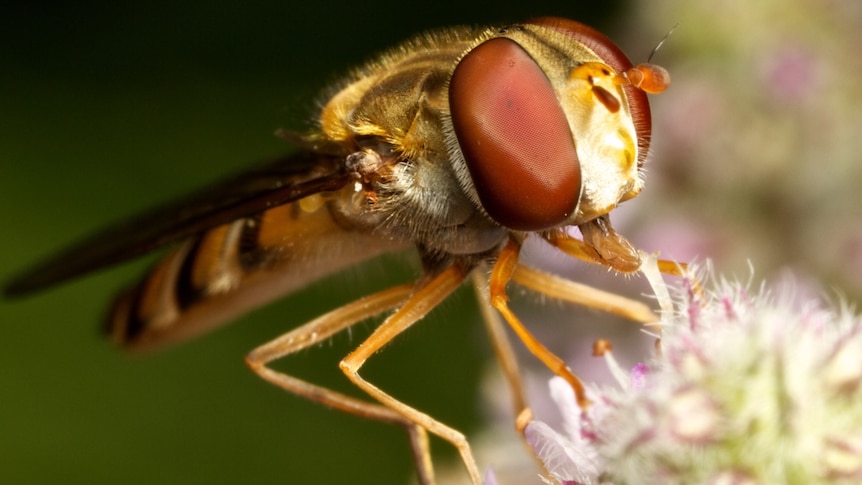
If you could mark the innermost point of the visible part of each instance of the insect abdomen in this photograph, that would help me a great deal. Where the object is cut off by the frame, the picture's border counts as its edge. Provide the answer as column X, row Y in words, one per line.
column 234, row 268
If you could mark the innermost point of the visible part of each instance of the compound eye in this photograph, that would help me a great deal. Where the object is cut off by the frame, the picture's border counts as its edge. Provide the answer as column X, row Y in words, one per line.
column 515, row 138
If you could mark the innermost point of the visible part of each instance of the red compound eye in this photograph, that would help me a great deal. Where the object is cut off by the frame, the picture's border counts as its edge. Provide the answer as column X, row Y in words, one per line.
column 515, row 137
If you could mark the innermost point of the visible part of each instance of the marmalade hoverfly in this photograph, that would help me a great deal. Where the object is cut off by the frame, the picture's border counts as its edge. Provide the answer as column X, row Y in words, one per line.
column 458, row 144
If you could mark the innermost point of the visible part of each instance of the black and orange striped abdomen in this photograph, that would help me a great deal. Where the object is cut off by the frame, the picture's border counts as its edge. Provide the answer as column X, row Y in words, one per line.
column 236, row 267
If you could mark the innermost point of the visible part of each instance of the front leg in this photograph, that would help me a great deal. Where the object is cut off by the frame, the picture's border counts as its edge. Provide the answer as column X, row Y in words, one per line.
column 501, row 273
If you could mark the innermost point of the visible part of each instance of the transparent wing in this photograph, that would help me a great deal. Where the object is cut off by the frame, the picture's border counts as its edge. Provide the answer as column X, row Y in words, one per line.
column 277, row 182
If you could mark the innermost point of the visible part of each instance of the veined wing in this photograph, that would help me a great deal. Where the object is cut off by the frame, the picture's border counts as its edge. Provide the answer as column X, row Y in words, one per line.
column 278, row 182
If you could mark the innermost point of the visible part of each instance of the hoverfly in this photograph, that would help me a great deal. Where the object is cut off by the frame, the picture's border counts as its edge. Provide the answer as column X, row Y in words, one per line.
column 458, row 144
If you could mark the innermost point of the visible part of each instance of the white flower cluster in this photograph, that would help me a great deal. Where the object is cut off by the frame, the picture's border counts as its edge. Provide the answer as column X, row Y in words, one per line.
column 750, row 388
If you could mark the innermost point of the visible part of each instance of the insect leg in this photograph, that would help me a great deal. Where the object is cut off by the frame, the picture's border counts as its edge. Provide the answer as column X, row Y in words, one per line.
column 506, row 357
column 501, row 273
column 423, row 300
column 322, row 328
column 583, row 295
column 502, row 349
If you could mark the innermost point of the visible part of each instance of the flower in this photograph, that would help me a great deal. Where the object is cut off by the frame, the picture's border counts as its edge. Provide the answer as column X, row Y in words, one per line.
column 751, row 387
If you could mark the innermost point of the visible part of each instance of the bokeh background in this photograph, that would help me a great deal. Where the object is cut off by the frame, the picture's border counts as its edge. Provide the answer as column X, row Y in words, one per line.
column 106, row 109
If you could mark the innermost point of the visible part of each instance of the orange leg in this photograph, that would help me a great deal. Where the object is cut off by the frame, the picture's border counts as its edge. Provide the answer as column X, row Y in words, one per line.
column 607, row 248
column 322, row 328
column 583, row 295
column 500, row 276
column 423, row 300
column 502, row 348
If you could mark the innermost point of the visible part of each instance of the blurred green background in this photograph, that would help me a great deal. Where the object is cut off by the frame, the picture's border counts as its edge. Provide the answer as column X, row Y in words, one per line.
column 107, row 108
